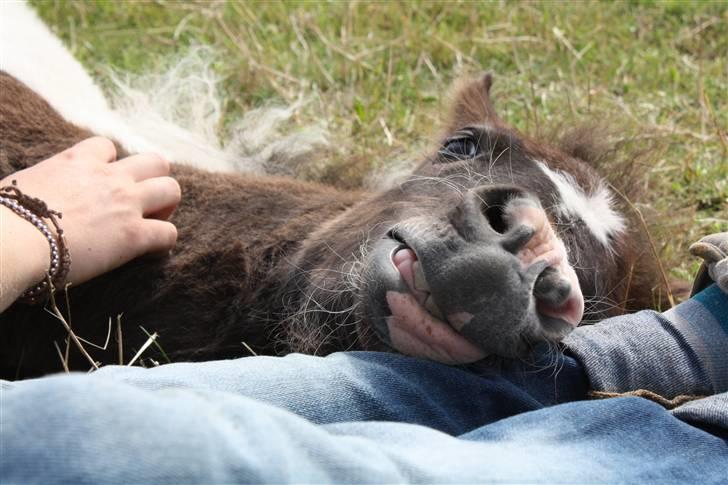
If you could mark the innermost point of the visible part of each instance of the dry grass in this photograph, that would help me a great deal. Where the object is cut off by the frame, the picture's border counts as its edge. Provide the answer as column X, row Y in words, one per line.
column 80, row 343
column 376, row 73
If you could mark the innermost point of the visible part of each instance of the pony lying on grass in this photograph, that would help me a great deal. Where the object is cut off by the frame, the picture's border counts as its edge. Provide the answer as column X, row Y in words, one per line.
column 493, row 243
column 490, row 246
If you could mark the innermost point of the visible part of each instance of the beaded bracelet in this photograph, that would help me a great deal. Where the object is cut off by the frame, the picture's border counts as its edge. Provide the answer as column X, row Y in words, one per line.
column 34, row 210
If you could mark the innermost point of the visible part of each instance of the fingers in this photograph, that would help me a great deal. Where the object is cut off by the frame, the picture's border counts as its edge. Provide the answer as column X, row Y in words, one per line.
column 157, row 236
column 164, row 214
column 97, row 149
column 144, row 166
column 158, row 196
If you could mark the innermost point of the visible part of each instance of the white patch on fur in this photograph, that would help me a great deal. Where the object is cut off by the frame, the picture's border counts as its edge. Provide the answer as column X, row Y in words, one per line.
column 177, row 113
column 31, row 53
column 181, row 110
column 259, row 137
column 595, row 209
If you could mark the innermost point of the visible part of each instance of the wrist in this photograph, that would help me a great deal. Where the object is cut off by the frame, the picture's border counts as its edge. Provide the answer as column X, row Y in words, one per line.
column 35, row 211
column 24, row 254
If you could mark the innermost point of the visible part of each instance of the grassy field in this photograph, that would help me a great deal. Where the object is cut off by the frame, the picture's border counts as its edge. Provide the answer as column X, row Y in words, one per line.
column 377, row 72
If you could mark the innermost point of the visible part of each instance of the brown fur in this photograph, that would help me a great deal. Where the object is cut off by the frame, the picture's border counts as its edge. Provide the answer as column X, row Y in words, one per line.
column 634, row 286
column 258, row 259
column 232, row 274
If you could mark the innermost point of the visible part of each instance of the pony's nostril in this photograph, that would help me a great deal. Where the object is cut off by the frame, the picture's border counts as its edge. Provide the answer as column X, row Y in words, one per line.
column 551, row 288
column 496, row 218
column 493, row 202
column 485, row 213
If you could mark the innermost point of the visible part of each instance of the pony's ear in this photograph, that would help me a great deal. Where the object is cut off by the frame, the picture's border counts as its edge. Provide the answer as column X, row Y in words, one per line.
column 472, row 104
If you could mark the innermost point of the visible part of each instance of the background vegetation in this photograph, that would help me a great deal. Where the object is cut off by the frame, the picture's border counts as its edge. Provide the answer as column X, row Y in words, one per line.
column 377, row 72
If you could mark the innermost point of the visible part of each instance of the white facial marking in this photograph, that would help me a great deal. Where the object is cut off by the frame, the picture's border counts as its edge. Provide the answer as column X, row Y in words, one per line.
column 594, row 209
column 176, row 113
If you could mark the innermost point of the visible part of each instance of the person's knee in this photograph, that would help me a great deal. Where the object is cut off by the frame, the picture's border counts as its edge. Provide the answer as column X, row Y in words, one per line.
column 61, row 400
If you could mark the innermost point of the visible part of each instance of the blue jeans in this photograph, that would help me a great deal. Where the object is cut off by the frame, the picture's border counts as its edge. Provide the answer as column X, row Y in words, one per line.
column 349, row 417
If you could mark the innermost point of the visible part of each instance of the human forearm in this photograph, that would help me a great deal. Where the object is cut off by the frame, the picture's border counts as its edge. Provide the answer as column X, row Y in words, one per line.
column 682, row 351
column 19, row 237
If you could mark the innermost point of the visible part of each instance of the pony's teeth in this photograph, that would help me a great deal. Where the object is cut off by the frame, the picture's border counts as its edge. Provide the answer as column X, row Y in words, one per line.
column 419, row 277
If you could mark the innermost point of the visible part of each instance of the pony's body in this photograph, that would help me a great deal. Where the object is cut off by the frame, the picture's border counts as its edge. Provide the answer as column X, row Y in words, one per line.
column 488, row 247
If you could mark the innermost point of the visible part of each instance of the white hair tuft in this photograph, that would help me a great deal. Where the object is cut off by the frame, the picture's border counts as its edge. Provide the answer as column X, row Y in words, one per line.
column 177, row 113
column 181, row 111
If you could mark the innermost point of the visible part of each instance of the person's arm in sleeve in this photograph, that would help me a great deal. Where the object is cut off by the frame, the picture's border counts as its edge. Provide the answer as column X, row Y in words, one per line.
column 683, row 351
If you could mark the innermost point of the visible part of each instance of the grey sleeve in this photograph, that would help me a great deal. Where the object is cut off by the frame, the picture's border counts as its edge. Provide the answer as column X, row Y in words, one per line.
column 682, row 351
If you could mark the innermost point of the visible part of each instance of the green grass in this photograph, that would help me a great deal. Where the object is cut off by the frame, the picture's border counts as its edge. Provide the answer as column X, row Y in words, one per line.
column 656, row 70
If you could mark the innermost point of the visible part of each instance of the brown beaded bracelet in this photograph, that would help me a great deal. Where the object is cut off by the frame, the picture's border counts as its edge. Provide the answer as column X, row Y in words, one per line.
column 34, row 211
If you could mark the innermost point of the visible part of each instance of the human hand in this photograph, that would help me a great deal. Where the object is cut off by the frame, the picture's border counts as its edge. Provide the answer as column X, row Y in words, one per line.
column 112, row 212
column 714, row 251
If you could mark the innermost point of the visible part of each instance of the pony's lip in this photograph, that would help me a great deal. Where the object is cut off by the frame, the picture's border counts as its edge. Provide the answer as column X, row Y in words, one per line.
column 416, row 325
column 545, row 247
column 405, row 261
column 569, row 312
column 404, row 313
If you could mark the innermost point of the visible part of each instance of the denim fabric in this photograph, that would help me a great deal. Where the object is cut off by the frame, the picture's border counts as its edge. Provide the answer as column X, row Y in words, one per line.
column 363, row 386
column 708, row 413
column 351, row 417
column 373, row 417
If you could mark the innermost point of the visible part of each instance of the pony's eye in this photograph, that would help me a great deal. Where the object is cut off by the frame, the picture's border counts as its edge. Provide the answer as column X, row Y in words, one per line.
column 461, row 148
